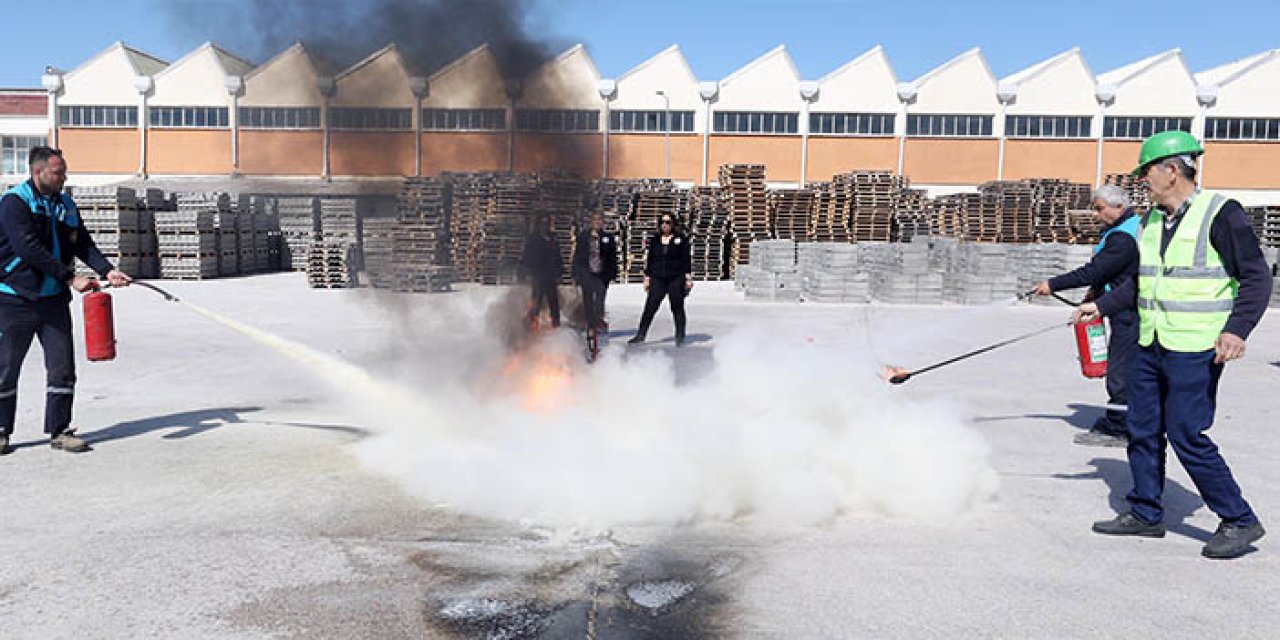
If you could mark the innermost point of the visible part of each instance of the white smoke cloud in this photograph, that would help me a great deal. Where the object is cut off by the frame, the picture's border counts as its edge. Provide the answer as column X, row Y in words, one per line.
column 780, row 430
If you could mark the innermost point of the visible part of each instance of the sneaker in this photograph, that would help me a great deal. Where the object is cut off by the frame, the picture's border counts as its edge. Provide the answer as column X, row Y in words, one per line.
column 1100, row 438
column 1232, row 541
column 4, row 445
column 1127, row 524
column 67, row 441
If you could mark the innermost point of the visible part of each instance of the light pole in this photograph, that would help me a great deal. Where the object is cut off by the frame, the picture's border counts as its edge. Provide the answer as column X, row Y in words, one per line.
column 709, row 91
column 420, row 88
column 327, row 87
column 1006, row 94
column 1206, row 96
column 1105, row 95
column 235, row 88
column 52, row 83
column 809, row 94
column 608, row 90
column 666, row 99
column 144, row 85
column 907, row 92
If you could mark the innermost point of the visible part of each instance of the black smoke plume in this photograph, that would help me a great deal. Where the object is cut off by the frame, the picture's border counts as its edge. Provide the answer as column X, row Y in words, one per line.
column 430, row 33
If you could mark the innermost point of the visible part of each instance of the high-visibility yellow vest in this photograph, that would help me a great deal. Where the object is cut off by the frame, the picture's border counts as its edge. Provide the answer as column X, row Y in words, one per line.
column 1186, row 296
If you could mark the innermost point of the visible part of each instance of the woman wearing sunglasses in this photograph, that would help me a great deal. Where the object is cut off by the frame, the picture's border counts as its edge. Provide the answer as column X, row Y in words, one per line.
column 667, row 273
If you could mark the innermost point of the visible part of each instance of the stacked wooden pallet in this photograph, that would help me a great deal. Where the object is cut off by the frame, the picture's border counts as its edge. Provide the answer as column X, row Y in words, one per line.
column 1085, row 228
column 1266, row 224
column 503, row 227
column 653, row 200
column 829, row 217
column 188, row 238
column 1013, row 202
column 114, row 222
column 742, row 186
column 330, row 264
column 947, row 216
column 1051, row 200
column 561, row 197
column 912, row 216
column 416, row 254
column 789, row 210
column 299, row 226
column 709, row 228
column 376, row 240
column 872, row 197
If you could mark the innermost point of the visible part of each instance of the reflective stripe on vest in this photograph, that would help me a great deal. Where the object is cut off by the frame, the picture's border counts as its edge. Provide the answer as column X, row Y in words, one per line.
column 1184, row 296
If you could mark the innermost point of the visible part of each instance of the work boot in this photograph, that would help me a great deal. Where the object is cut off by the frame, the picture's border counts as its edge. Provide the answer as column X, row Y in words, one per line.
column 1127, row 524
column 1102, row 438
column 1232, row 540
column 67, row 441
column 4, row 445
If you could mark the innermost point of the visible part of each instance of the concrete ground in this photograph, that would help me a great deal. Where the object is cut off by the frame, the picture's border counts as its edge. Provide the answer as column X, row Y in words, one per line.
column 226, row 497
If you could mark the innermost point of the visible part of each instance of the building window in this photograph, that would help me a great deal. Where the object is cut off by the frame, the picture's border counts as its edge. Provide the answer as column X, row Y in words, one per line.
column 1242, row 129
column 1048, row 126
column 851, row 124
column 558, row 120
column 756, row 122
column 371, row 118
column 464, row 119
column 949, row 125
column 1139, row 127
column 280, row 117
column 94, row 116
column 643, row 121
column 189, row 117
column 14, row 152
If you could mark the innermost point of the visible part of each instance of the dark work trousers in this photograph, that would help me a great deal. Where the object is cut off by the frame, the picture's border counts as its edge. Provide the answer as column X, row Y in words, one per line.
column 50, row 320
column 1173, row 396
column 545, row 291
column 671, row 288
column 1121, row 351
column 594, row 289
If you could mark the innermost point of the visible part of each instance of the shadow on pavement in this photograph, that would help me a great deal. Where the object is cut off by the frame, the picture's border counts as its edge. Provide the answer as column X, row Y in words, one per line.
column 1082, row 416
column 1179, row 503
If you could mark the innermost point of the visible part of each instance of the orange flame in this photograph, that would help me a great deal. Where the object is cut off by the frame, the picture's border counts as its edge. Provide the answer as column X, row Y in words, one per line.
column 542, row 379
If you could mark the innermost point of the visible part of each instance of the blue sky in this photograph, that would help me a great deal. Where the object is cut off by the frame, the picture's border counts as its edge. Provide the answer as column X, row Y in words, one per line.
column 718, row 37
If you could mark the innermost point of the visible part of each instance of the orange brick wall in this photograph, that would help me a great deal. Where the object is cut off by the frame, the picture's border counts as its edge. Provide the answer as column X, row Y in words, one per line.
column 781, row 154
column 831, row 156
column 188, row 152
column 463, row 152
column 1242, row 165
column 281, row 153
column 950, row 160
column 644, row 156
column 1074, row 160
column 581, row 153
column 100, row 150
column 371, row 153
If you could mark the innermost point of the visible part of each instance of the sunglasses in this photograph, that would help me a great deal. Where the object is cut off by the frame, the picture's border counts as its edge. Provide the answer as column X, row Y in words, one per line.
column 666, row 222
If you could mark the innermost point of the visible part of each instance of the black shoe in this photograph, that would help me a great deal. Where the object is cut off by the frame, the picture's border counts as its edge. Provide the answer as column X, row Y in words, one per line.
column 636, row 339
column 680, row 341
column 1232, row 541
column 1096, row 437
column 4, row 445
column 1127, row 524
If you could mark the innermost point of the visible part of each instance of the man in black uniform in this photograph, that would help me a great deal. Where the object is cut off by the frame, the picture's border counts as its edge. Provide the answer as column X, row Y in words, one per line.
column 595, row 265
column 1114, row 264
column 541, row 261
column 40, row 234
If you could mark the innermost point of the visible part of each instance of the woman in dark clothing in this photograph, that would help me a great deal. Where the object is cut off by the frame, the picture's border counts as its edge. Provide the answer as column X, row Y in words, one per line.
column 595, row 265
column 541, row 261
column 667, row 273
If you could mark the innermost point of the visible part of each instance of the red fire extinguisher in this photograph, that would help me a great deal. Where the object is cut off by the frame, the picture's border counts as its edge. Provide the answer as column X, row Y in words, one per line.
column 1091, row 343
column 99, row 326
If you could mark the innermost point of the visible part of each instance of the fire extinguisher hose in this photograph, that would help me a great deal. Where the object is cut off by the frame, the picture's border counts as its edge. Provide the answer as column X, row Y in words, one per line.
column 147, row 285
column 901, row 377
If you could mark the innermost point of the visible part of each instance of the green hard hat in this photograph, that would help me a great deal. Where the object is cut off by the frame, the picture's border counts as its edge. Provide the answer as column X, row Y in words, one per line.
column 1167, row 144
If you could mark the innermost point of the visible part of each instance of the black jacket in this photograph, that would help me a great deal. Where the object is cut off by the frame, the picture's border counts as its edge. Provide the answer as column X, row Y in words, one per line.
column 26, row 243
column 1233, row 238
column 1115, row 264
column 608, row 244
column 541, row 258
column 668, row 260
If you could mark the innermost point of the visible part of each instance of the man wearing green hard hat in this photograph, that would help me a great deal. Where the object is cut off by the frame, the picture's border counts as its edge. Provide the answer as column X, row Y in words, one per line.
column 1203, row 285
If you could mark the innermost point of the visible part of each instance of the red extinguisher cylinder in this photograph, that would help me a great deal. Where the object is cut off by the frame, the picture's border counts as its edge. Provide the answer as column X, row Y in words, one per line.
column 1091, row 343
column 99, row 327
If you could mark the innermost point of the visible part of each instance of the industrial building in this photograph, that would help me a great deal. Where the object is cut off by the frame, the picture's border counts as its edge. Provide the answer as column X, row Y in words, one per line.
column 126, row 113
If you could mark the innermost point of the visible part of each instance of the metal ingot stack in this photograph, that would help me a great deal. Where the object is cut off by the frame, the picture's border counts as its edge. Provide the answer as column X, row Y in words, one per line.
column 329, row 265
column 188, row 242
column 110, row 214
column 300, row 227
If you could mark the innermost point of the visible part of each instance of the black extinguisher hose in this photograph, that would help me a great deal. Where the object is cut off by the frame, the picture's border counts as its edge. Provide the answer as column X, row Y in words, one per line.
column 146, row 285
